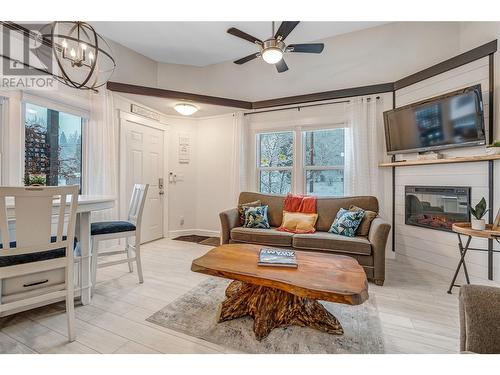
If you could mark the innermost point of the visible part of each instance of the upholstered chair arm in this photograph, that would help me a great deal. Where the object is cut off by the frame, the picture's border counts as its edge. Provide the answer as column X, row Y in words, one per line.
column 378, row 234
column 228, row 220
column 479, row 309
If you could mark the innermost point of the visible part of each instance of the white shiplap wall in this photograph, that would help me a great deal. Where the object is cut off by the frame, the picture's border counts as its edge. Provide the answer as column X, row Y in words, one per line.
column 430, row 248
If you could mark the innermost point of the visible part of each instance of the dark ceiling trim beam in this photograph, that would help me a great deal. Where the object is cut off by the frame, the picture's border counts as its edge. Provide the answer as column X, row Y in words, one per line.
column 169, row 94
column 454, row 62
column 327, row 95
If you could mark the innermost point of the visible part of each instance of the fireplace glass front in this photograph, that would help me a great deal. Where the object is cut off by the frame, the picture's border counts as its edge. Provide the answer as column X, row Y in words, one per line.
column 436, row 207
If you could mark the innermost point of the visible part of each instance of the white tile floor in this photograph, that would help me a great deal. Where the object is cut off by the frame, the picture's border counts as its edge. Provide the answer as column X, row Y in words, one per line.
column 416, row 313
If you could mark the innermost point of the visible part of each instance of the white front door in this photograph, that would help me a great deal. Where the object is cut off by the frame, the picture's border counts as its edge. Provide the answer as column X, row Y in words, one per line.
column 142, row 162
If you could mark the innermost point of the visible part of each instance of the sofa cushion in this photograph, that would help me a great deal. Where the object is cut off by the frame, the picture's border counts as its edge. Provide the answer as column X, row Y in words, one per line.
column 243, row 206
column 298, row 222
column 347, row 222
column 262, row 236
column 256, row 217
column 329, row 241
column 366, row 222
column 328, row 208
column 275, row 203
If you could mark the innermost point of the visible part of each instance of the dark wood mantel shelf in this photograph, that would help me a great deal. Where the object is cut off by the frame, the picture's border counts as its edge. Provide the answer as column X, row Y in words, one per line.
column 462, row 159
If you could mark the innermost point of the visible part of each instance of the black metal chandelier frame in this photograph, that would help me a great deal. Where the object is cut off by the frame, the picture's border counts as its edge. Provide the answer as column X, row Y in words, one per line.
column 59, row 49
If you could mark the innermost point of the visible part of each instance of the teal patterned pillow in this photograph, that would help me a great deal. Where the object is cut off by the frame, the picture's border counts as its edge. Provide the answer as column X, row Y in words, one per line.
column 347, row 222
column 256, row 217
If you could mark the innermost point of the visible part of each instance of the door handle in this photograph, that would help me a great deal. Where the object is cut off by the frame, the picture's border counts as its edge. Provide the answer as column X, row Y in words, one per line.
column 160, row 186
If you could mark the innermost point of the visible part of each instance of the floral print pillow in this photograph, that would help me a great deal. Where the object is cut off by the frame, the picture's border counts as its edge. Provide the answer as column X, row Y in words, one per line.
column 256, row 217
column 347, row 222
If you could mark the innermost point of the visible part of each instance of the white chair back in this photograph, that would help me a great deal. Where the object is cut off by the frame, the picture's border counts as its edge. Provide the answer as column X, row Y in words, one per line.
column 34, row 208
column 137, row 202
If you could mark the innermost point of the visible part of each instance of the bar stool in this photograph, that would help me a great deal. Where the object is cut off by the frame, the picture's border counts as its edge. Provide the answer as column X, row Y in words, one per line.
column 109, row 230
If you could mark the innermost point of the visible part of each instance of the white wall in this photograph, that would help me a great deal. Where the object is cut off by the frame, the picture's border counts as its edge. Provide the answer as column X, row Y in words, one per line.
column 182, row 194
column 132, row 67
column 215, row 149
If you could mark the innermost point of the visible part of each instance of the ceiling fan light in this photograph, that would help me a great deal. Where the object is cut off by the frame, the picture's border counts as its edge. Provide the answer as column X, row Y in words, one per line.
column 186, row 109
column 272, row 55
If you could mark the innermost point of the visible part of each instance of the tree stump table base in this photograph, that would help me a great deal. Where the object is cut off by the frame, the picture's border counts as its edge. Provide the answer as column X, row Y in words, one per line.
column 273, row 308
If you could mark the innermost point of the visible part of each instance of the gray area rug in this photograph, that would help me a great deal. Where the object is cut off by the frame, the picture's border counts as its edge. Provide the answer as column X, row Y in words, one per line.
column 196, row 312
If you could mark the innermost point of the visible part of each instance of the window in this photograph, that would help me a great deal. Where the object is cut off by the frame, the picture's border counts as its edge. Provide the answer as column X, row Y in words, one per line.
column 324, row 162
column 275, row 162
column 53, row 147
column 318, row 169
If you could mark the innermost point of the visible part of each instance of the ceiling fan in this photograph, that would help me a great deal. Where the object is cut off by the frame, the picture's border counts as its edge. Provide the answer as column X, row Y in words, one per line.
column 272, row 49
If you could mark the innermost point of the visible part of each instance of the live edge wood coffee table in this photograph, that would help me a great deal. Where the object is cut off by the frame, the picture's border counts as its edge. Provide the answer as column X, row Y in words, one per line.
column 280, row 297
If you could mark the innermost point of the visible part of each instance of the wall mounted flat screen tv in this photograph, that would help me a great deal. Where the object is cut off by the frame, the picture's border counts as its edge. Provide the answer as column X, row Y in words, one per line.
column 452, row 120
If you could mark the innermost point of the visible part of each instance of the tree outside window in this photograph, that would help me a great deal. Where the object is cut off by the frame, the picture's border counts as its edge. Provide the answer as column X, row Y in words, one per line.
column 324, row 162
column 53, row 147
column 275, row 162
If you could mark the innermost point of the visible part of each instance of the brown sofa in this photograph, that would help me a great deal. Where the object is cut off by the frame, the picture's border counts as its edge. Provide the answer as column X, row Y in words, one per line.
column 368, row 251
column 479, row 308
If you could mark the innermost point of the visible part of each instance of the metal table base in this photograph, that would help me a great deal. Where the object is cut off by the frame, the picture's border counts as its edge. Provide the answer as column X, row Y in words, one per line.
column 463, row 251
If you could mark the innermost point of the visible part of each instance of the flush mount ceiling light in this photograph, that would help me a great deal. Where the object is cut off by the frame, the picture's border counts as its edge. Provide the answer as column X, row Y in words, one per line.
column 84, row 59
column 186, row 109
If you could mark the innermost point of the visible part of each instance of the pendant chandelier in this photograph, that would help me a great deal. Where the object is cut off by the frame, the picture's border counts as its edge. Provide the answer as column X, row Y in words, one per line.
column 83, row 58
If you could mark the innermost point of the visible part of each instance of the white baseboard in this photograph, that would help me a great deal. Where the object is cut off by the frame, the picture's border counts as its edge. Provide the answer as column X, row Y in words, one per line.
column 191, row 232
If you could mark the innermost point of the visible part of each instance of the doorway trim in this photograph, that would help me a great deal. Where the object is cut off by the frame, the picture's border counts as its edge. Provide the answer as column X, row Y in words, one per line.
column 123, row 203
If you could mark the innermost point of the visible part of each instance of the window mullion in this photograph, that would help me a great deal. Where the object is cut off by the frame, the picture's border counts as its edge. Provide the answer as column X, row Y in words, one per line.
column 53, row 139
column 298, row 174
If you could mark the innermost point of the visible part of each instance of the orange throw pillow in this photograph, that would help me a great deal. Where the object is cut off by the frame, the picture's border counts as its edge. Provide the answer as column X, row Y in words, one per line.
column 298, row 222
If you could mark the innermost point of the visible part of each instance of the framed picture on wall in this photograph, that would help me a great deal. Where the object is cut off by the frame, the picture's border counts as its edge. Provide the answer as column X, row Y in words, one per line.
column 184, row 149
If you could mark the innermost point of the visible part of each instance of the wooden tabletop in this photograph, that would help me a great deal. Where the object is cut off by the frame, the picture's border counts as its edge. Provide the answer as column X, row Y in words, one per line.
column 465, row 228
column 326, row 277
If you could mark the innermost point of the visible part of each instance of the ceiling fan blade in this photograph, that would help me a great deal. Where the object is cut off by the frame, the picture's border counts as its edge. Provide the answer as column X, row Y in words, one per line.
column 306, row 48
column 241, row 34
column 281, row 66
column 286, row 28
column 247, row 58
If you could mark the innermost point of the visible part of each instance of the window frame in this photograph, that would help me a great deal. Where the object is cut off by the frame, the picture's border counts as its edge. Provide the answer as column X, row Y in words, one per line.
column 84, row 153
column 306, row 168
column 298, row 185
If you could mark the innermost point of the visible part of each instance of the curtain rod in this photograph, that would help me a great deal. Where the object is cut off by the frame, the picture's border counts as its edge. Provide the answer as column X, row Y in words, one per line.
column 299, row 107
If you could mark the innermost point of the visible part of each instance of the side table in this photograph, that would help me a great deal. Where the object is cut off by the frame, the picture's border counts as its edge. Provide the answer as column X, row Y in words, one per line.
column 464, row 229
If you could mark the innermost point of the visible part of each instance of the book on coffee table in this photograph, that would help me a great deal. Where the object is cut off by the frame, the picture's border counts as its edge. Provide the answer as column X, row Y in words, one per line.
column 277, row 258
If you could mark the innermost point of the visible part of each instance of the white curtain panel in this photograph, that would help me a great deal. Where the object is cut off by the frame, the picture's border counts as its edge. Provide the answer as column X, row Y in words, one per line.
column 362, row 143
column 102, row 149
column 239, row 161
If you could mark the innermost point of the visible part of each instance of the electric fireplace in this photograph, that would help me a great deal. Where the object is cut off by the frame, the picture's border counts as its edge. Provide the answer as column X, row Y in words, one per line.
column 436, row 207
